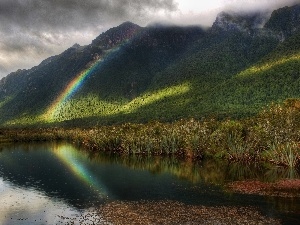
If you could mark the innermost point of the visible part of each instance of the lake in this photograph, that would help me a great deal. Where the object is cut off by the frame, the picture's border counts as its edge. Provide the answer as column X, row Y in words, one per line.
column 59, row 183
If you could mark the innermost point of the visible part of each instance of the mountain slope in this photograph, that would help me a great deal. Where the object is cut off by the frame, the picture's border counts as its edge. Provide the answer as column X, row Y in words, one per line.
column 130, row 73
column 131, row 69
column 273, row 79
column 285, row 21
column 29, row 92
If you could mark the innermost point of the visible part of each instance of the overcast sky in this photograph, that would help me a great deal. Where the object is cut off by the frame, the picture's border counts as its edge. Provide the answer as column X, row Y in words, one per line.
column 32, row 30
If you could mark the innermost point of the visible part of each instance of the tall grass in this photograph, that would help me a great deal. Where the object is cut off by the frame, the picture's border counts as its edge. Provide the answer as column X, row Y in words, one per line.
column 274, row 135
column 239, row 149
column 285, row 154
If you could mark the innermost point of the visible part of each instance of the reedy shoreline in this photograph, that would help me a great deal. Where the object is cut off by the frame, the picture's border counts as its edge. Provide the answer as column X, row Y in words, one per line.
column 273, row 135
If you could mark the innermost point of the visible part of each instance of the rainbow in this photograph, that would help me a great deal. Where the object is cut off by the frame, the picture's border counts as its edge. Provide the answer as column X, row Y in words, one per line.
column 76, row 83
column 68, row 155
column 70, row 89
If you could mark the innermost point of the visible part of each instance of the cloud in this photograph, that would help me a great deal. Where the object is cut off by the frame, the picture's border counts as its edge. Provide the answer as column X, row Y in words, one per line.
column 37, row 29
column 205, row 12
column 32, row 30
column 258, row 5
column 59, row 14
column 3, row 70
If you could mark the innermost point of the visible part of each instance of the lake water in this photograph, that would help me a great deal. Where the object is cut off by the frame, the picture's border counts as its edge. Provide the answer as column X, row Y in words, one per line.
column 57, row 183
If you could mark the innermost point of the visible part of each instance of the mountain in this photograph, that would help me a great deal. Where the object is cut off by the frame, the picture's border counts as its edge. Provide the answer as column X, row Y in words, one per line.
column 34, row 89
column 128, row 56
column 130, row 73
column 285, row 21
column 116, row 36
column 234, row 21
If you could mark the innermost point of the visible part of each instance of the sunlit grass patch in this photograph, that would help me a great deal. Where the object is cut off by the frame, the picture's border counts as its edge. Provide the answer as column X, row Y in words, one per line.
column 93, row 106
column 24, row 120
column 269, row 65
column 83, row 107
column 152, row 97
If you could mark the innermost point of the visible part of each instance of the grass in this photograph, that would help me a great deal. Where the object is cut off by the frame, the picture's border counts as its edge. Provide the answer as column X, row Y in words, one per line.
column 240, row 150
column 285, row 154
column 266, row 66
column 235, row 140
column 92, row 105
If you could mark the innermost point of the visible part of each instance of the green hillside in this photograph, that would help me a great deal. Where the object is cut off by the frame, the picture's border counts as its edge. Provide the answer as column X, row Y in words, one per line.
column 273, row 79
column 164, row 73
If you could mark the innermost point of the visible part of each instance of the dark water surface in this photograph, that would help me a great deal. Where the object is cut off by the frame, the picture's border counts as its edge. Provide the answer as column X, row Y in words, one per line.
column 45, row 183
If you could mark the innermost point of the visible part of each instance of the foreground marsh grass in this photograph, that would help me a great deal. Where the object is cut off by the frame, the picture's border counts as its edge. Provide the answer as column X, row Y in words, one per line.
column 273, row 135
column 286, row 154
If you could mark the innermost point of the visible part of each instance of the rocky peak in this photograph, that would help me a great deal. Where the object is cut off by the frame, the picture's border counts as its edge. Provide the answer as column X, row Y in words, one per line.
column 116, row 35
column 285, row 21
column 245, row 22
column 76, row 46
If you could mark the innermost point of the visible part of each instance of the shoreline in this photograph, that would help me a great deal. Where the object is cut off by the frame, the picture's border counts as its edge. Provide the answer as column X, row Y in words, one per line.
column 235, row 141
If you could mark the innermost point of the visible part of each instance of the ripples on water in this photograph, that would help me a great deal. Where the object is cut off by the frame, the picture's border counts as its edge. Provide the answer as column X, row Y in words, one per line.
column 55, row 183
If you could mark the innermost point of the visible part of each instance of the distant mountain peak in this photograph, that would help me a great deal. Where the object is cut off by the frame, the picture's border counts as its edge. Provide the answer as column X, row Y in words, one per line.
column 116, row 35
column 76, row 46
column 128, row 25
column 245, row 22
column 285, row 21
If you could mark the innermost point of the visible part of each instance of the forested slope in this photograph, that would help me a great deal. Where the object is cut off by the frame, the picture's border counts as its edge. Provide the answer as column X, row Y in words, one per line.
column 240, row 65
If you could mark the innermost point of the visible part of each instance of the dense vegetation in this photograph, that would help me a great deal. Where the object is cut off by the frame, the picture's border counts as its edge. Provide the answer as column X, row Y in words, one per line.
column 133, row 89
column 271, row 136
column 162, row 73
column 189, row 89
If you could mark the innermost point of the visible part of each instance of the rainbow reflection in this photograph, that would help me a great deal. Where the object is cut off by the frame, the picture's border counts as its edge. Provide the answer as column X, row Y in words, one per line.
column 69, row 156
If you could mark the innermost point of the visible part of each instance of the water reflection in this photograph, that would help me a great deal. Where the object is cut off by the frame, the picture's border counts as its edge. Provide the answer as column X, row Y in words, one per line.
column 75, row 163
column 217, row 172
column 44, row 168
column 275, row 172
column 41, row 183
column 29, row 206
column 37, row 184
